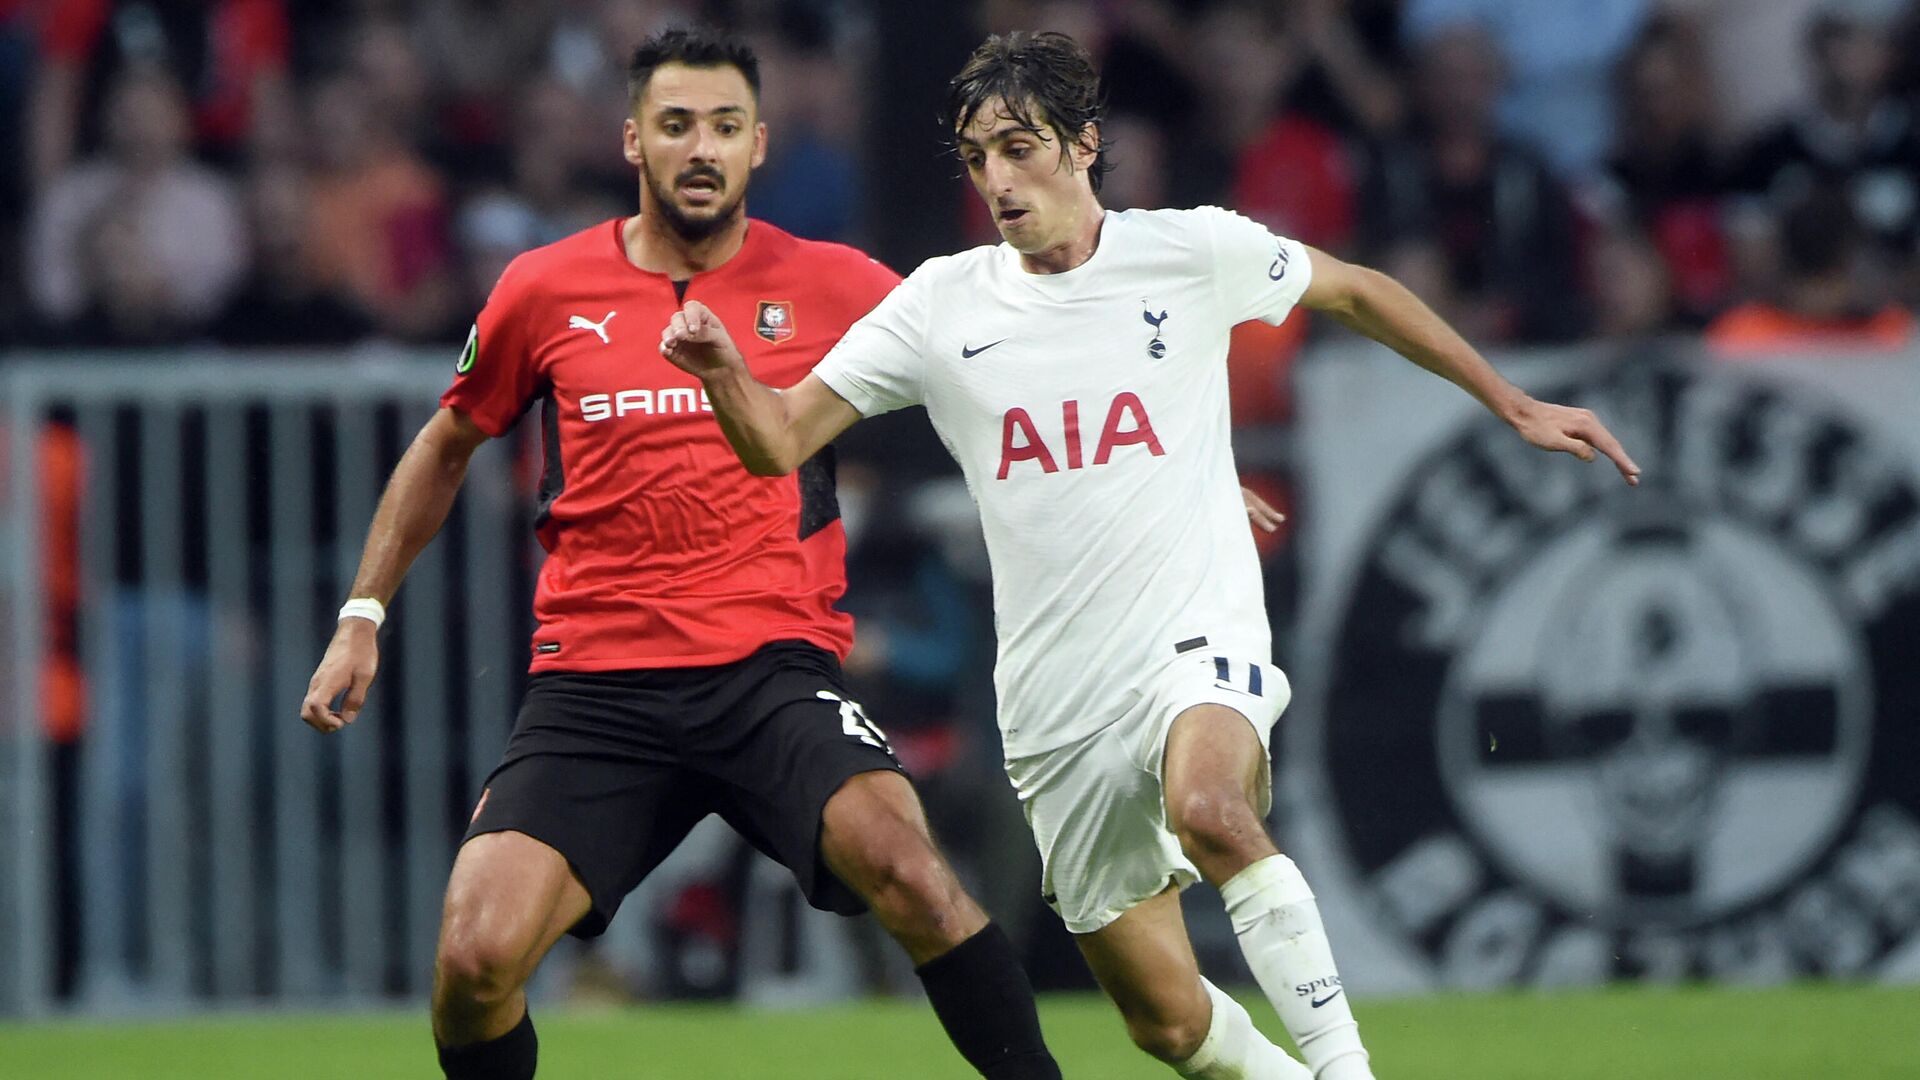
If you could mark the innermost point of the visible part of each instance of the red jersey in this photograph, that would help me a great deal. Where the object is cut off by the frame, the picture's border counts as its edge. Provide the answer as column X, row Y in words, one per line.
column 662, row 550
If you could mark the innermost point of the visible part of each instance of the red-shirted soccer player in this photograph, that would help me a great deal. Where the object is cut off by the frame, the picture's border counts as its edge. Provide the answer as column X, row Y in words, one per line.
column 687, row 656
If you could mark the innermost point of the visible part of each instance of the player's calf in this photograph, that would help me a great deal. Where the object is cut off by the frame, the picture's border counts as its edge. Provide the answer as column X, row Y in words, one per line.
column 1146, row 965
column 1164, row 1028
column 874, row 837
column 1285, row 943
column 1215, row 767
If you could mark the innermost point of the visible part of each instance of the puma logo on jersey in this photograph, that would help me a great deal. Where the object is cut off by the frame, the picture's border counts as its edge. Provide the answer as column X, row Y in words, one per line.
column 672, row 399
column 1126, row 408
column 581, row 322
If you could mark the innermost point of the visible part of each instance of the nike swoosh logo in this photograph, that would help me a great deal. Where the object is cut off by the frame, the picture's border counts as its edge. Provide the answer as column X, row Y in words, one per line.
column 968, row 354
column 1317, row 1002
column 1279, row 268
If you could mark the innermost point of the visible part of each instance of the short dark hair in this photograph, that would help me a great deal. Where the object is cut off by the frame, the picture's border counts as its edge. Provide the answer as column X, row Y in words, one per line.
column 1045, row 73
column 694, row 47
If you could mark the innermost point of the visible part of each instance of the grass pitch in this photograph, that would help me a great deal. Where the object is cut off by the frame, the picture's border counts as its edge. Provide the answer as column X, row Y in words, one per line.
column 1800, row 1033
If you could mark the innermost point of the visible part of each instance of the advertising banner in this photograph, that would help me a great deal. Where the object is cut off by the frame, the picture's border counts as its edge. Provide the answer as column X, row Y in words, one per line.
column 1553, row 730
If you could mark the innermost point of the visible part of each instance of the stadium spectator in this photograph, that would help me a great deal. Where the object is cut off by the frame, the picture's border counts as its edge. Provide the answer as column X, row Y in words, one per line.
column 546, row 194
column 232, row 55
column 810, row 182
column 1348, row 50
column 1632, row 287
column 1754, row 58
column 477, row 55
column 141, row 233
column 1663, row 178
column 1824, row 305
column 1855, row 135
column 1241, row 63
column 1473, row 222
column 1558, row 97
column 1297, row 177
column 378, row 227
column 588, row 46
column 1144, row 50
column 1140, row 176
column 280, row 303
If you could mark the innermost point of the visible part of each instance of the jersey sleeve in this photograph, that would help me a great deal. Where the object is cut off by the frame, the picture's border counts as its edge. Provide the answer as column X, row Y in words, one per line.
column 878, row 365
column 495, row 378
column 1256, row 274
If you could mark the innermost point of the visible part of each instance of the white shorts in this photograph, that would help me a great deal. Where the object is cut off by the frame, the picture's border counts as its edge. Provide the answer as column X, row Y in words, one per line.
column 1098, row 807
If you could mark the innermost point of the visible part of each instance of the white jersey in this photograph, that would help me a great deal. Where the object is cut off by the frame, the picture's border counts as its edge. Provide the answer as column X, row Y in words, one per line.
column 1088, row 411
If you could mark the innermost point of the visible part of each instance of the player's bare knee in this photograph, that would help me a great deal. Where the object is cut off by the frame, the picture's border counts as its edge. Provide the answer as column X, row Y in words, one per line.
column 1216, row 823
column 478, row 970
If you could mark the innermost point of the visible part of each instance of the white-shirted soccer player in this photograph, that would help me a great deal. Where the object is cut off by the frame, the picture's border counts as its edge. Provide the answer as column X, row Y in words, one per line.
column 1078, row 374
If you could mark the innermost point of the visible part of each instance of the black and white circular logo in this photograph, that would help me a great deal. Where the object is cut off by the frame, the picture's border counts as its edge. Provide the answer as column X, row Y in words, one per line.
column 1576, row 731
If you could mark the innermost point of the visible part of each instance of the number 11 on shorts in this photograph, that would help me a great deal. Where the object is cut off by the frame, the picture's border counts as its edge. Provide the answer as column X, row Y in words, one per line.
column 1223, row 674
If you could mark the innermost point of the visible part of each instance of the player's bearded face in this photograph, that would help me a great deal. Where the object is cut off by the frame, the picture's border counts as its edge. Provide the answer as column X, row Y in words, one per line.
column 1036, row 194
column 696, row 142
column 698, row 201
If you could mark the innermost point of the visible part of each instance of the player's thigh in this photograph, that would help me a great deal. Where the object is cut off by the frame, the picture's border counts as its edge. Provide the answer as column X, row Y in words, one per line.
column 509, row 898
column 874, row 834
column 1145, row 963
column 588, row 774
column 783, row 754
column 1211, row 746
column 1099, row 821
column 1219, row 713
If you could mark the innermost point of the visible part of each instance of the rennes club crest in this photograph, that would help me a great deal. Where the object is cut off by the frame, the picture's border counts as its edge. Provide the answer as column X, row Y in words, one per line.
column 774, row 320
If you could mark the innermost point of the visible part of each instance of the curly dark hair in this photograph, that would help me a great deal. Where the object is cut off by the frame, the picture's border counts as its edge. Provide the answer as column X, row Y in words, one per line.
column 1043, row 79
column 694, row 47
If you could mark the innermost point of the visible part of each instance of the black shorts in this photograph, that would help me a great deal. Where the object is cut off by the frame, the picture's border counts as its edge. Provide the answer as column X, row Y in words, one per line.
column 613, row 769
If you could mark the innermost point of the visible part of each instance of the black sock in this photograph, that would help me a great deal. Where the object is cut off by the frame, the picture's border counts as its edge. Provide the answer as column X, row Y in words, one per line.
column 982, row 996
column 510, row 1057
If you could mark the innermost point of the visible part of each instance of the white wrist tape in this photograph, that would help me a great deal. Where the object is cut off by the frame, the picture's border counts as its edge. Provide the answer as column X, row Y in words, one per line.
column 365, row 607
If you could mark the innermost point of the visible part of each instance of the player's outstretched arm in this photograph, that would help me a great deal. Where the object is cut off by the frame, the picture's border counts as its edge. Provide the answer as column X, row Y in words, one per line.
column 418, row 497
column 773, row 431
column 1376, row 305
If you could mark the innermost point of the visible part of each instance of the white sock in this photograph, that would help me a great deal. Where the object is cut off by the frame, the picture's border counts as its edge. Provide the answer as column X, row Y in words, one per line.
column 1235, row 1050
column 1281, row 936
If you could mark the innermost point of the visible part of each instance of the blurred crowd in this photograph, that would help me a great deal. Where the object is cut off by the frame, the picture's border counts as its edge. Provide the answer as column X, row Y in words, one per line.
column 260, row 172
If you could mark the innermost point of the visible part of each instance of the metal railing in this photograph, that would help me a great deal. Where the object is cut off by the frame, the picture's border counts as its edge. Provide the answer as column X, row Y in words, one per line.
column 194, row 840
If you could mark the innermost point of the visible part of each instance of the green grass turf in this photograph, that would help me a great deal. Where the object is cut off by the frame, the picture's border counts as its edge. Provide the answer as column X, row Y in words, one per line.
column 1801, row 1033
